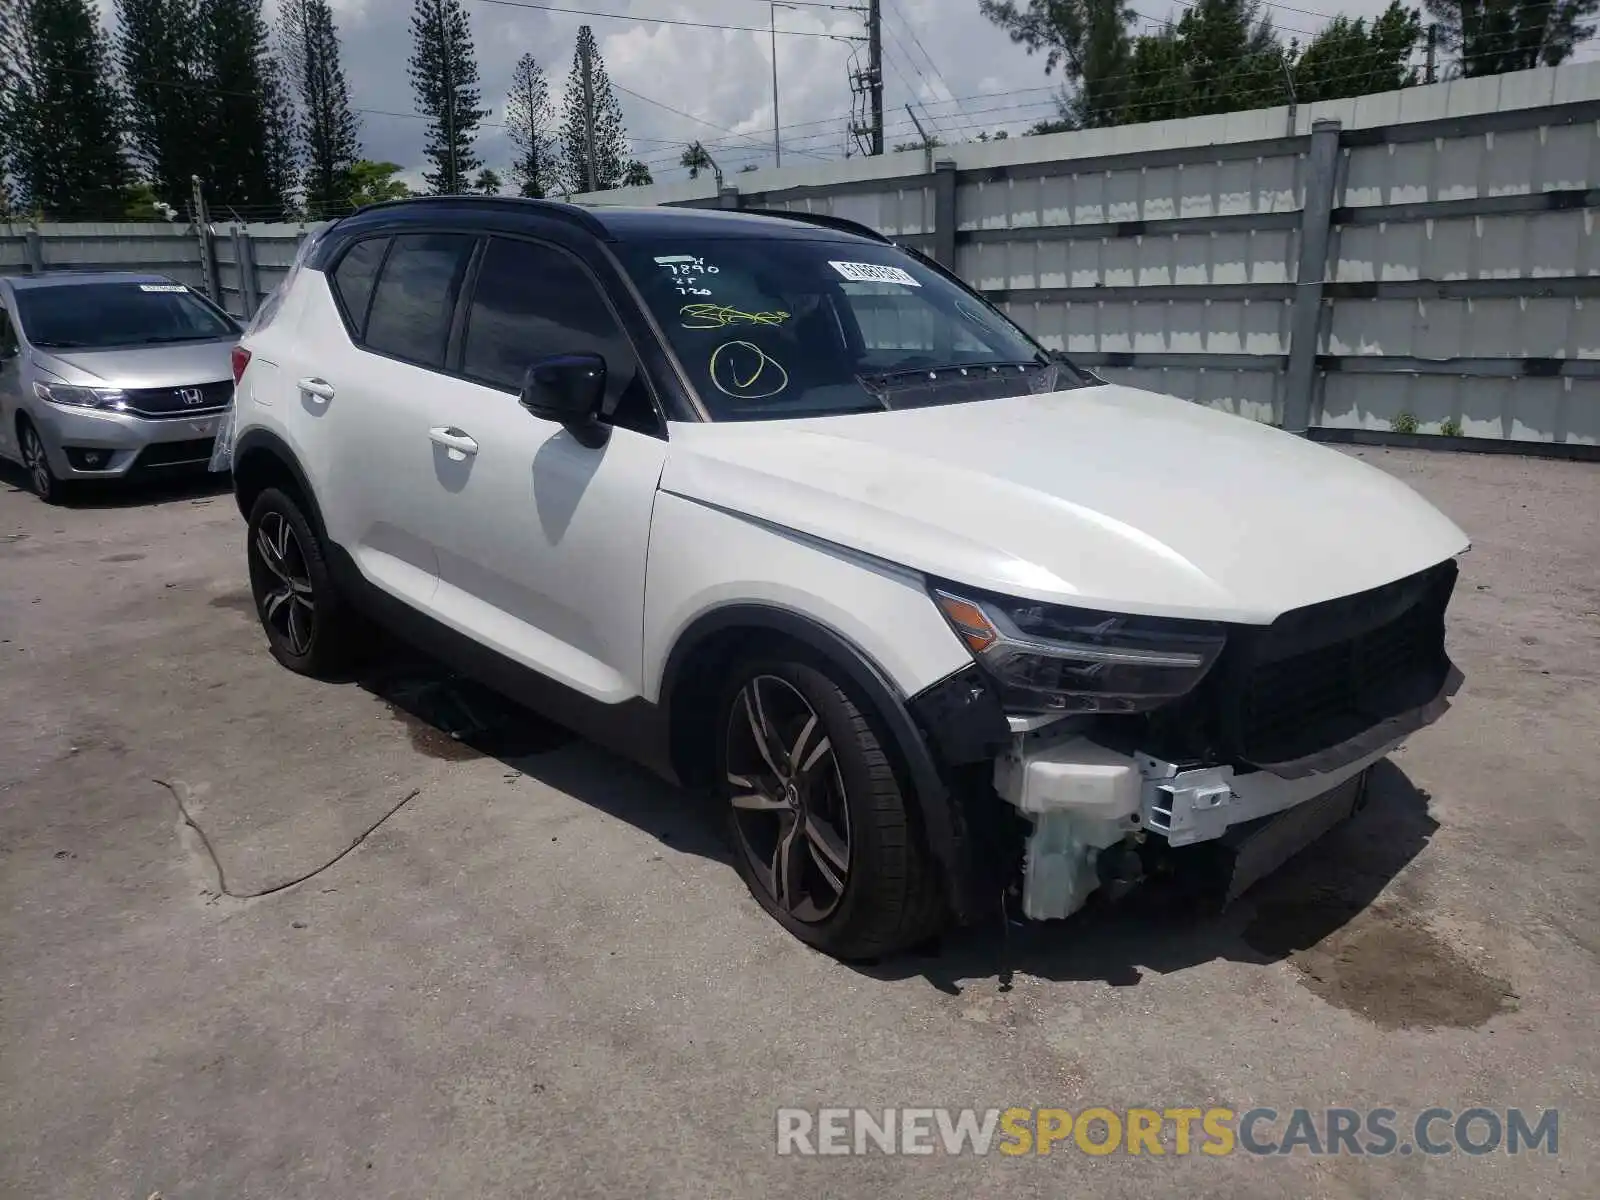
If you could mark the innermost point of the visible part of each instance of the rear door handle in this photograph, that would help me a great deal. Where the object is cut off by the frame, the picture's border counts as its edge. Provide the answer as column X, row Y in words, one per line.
column 452, row 438
column 320, row 388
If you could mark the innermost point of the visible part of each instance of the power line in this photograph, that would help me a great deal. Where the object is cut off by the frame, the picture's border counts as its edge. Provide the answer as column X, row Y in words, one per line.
column 691, row 116
column 588, row 12
column 905, row 19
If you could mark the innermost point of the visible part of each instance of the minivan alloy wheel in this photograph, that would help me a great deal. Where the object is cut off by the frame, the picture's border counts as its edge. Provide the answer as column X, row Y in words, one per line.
column 287, row 603
column 791, row 815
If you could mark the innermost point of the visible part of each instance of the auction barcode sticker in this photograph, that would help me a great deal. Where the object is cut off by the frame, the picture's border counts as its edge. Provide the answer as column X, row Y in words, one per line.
column 873, row 273
column 162, row 287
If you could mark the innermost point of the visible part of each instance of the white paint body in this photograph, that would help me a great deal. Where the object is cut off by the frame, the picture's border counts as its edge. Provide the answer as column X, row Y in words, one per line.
column 588, row 565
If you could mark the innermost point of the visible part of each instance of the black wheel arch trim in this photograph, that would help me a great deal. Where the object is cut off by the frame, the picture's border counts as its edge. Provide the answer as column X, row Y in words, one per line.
column 263, row 441
column 941, row 809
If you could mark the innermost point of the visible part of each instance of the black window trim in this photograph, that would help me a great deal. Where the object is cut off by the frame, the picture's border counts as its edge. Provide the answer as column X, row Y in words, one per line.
column 357, row 331
column 461, row 325
column 394, row 235
column 456, row 338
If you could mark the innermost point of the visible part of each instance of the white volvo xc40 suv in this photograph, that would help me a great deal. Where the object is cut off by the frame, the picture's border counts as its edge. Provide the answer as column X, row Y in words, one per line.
column 791, row 514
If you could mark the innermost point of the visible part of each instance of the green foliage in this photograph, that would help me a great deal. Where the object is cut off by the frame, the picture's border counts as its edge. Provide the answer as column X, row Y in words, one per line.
column 1403, row 423
column 529, row 119
column 610, row 138
column 444, row 76
column 326, row 128
column 1224, row 55
column 1450, row 427
column 65, row 143
column 487, row 183
column 636, row 174
column 140, row 203
column 374, row 182
column 1087, row 39
column 697, row 159
column 244, row 117
column 158, row 52
column 1349, row 58
column 1491, row 36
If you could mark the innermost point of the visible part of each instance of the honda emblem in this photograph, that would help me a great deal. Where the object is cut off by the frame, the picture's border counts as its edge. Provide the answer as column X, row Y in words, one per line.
column 192, row 397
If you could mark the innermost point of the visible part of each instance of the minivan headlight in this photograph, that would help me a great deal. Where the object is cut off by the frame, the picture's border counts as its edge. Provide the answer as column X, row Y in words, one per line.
column 1047, row 658
column 82, row 397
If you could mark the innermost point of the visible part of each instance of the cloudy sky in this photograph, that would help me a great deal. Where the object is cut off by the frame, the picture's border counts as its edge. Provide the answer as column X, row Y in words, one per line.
column 960, row 71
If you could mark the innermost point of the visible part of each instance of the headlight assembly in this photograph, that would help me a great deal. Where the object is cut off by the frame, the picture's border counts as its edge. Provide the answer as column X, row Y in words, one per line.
column 70, row 394
column 1047, row 658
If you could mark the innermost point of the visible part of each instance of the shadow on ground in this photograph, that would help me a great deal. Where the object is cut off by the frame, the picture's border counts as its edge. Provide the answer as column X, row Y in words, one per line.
column 1321, row 911
column 182, row 484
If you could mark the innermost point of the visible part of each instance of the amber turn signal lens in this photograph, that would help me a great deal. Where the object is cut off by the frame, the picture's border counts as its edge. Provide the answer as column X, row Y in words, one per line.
column 968, row 620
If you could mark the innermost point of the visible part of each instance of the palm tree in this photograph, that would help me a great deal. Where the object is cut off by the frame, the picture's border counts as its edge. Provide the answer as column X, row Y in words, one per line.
column 696, row 159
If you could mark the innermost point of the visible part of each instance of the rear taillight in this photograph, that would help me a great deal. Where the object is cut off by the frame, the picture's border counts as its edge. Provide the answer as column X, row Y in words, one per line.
column 241, row 360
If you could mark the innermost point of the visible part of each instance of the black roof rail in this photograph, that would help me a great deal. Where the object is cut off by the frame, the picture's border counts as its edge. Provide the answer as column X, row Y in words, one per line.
column 842, row 224
column 559, row 209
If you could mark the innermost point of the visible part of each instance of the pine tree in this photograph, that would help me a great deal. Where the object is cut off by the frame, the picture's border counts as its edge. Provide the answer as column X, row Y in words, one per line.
column 1492, row 36
column 10, row 79
column 487, row 183
column 444, row 75
column 167, row 102
column 636, row 174
column 528, row 125
column 248, row 167
column 610, row 138
column 328, row 133
column 66, row 138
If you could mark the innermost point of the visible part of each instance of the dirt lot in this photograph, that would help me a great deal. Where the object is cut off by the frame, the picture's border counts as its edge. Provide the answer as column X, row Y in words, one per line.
column 540, row 976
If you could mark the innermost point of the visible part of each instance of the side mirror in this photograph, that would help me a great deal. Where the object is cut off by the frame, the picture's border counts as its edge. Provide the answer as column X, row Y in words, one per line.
column 569, row 388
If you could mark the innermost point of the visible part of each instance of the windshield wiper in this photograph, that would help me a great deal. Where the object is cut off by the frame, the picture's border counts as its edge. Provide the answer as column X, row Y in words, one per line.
column 58, row 344
column 163, row 338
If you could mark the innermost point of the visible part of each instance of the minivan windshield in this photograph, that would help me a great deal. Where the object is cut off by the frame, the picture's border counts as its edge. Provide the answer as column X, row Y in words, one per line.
column 790, row 327
column 96, row 316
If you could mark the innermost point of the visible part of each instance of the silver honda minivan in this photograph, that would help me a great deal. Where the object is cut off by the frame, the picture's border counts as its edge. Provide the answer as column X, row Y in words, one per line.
column 107, row 373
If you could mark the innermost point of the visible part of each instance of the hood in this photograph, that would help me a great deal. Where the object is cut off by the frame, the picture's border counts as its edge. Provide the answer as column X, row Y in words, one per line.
column 1104, row 497
column 174, row 364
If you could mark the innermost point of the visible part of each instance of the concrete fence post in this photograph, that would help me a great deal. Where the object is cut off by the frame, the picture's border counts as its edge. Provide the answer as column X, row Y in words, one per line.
column 33, row 246
column 728, row 197
column 1305, row 322
column 944, row 212
column 244, row 257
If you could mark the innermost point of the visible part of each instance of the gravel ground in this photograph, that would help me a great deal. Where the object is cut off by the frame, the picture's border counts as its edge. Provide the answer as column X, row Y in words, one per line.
column 539, row 975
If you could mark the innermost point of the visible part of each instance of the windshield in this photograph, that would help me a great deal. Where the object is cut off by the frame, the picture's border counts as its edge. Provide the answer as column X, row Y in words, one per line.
column 102, row 315
column 789, row 327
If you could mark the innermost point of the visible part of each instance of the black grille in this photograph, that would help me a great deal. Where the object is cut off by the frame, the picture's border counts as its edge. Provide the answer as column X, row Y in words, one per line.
column 1321, row 676
column 176, row 454
column 180, row 402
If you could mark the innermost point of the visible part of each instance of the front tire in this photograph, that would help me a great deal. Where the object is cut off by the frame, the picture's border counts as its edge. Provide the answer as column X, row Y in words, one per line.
column 823, row 835
column 308, row 625
column 36, row 462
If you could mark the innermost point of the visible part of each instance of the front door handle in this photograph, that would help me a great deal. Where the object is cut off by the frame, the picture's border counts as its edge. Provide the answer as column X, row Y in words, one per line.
column 452, row 438
column 320, row 388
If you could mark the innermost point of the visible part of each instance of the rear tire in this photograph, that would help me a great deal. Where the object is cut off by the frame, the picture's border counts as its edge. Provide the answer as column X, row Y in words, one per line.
column 309, row 626
column 823, row 834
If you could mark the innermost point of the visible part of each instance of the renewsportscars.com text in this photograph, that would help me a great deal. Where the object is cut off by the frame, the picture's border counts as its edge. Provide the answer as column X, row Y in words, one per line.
column 1216, row 1132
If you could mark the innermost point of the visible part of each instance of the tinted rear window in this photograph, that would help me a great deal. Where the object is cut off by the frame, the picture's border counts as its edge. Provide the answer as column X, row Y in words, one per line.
column 353, row 280
column 416, row 296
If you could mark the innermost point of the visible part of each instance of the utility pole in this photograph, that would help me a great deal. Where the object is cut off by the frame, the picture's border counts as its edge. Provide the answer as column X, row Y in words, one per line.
column 777, row 140
column 588, row 113
column 869, row 83
column 875, row 69
column 1433, row 42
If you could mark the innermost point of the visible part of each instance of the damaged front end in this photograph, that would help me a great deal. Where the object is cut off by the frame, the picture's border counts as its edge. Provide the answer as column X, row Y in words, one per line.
column 1266, row 750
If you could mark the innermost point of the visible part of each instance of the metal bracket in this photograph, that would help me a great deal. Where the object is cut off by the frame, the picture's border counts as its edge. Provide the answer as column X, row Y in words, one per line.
column 1184, row 806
